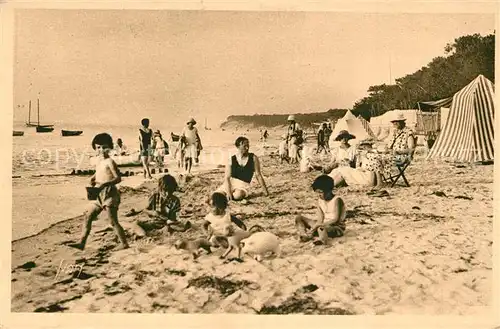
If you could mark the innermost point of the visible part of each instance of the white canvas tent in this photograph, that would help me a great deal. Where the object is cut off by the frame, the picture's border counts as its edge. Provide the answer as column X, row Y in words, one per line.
column 468, row 133
column 384, row 120
column 354, row 126
column 383, row 125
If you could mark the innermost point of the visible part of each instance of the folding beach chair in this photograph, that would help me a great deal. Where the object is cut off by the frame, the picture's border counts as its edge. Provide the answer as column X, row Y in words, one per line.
column 401, row 167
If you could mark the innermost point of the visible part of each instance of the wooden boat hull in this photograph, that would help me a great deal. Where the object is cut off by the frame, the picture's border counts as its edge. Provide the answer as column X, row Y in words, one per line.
column 71, row 132
column 17, row 133
column 44, row 129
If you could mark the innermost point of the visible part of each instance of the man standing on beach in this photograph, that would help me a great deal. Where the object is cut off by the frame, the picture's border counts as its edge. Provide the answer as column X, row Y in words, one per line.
column 193, row 144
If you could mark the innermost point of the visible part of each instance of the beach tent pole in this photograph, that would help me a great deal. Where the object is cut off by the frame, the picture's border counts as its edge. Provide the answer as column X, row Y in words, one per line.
column 29, row 113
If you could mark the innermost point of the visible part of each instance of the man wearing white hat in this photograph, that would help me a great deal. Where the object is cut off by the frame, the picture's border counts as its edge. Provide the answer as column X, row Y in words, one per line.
column 193, row 143
column 402, row 142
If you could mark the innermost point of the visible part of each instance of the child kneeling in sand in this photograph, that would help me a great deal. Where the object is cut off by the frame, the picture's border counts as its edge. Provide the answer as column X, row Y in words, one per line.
column 330, row 216
column 104, row 182
column 163, row 207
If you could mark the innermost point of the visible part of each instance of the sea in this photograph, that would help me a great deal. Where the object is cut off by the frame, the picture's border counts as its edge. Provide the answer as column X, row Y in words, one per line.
column 42, row 195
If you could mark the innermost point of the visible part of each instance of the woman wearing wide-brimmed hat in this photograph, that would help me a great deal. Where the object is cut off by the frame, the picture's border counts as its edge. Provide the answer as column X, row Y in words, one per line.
column 193, row 144
column 344, row 154
column 343, row 168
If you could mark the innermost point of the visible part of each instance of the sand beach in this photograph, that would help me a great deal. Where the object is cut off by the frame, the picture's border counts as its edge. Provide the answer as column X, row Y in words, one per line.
column 423, row 249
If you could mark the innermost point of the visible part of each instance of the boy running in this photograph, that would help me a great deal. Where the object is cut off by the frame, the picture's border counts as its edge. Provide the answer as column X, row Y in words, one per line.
column 104, row 180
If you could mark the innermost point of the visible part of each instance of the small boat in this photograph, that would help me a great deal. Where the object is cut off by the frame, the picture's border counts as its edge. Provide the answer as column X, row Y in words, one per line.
column 44, row 129
column 40, row 128
column 71, row 132
column 17, row 133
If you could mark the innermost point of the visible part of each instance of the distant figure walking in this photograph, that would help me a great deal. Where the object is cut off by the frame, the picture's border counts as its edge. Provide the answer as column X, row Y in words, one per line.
column 322, row 139
column 145, row 141
column 294, row 136
column 328, row 132
column 264, row 136
column 193, row 144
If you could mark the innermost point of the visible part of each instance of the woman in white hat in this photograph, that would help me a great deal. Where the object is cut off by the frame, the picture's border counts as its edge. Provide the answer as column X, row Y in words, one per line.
column 345, row 154
column 402, row 143
column 193, row 144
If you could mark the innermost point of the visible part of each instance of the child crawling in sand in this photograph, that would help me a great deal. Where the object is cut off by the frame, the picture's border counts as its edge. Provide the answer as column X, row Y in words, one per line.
column 163, row 207
column 330, row 215
column 104, row 182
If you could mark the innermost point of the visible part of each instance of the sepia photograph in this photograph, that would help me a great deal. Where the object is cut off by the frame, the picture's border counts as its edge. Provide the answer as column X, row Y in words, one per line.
column 252, row 162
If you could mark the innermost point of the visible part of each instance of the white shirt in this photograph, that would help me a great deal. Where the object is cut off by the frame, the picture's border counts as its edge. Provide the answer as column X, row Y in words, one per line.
column 191, row 135
column 219, row 224
column 344, row 156
column 328, row 209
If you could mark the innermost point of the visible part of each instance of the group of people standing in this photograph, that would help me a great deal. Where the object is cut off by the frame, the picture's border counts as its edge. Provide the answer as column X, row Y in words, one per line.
column 153, row 145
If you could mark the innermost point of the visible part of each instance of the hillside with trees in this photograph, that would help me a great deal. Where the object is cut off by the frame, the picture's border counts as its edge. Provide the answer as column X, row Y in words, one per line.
column 273, row 120
column 463, row 61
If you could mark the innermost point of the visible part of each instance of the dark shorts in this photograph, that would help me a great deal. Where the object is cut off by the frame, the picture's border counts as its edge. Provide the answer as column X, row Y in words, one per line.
column 333, row 231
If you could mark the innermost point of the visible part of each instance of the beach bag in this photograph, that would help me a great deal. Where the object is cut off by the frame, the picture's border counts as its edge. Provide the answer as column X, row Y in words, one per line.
column 299, row 139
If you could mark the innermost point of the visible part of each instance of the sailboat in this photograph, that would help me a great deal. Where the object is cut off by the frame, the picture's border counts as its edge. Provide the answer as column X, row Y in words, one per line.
column 42, row 128
column 206, row 128
column 29, row 124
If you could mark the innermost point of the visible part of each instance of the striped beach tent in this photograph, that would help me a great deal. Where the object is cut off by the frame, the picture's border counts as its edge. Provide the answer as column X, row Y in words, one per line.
column 468, row 133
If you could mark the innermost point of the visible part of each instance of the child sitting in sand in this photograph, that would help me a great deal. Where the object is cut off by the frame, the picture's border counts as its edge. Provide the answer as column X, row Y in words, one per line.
column 107, row 197
column 330, row 216
column 163, row 207
column 219, row 219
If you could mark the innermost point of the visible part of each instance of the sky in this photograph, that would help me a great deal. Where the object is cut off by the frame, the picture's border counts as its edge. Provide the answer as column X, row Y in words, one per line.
column 116, row 67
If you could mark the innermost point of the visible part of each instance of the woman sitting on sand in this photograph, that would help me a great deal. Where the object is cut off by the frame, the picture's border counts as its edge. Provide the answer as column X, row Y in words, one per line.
column 240, row 171
column 344, row 155
column 367, row 168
